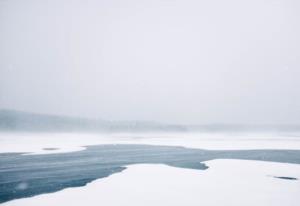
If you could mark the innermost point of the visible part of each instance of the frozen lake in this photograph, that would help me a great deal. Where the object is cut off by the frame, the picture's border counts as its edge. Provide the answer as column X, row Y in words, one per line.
column 60, row 161
column 226, row 183
column 68, row 142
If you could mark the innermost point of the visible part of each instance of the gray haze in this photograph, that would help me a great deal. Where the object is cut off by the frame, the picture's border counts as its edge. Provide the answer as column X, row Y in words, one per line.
column 185, row 61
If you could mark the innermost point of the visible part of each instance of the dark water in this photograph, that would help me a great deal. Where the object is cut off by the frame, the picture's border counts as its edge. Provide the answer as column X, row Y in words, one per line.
column 28, row 175
column 286, row 178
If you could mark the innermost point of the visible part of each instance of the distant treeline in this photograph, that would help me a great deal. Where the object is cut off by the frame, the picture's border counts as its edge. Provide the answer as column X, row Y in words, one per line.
column 11, row 120
column 18, row 121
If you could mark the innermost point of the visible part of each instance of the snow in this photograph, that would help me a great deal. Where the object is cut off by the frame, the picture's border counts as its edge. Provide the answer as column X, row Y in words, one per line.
column 226, row 182
column 69, row 142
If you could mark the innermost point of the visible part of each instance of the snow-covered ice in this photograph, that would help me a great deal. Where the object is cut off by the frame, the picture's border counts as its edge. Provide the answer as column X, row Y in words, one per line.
column 68, row 142
column 226, row 183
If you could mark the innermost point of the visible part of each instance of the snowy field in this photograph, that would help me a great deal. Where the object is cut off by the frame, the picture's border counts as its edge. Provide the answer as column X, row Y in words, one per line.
column 68, row 142
column 226, row 182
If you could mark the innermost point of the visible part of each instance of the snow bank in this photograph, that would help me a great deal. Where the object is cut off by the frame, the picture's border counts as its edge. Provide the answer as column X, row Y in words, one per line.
column 226, row 182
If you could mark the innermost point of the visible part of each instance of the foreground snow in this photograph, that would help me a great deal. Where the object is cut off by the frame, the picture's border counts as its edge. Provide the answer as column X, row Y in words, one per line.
column 226, row 182
column 68, row 142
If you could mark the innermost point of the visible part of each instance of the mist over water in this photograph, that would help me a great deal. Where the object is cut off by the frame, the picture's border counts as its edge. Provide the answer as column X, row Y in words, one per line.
column 149, row 102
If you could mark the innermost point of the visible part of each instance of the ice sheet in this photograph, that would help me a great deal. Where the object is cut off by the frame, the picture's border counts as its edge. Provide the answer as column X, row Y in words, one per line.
column 226, row 182
column 68, row 142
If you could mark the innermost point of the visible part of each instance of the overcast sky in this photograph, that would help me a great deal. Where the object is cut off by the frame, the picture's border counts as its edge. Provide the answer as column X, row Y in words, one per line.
column 184, row 61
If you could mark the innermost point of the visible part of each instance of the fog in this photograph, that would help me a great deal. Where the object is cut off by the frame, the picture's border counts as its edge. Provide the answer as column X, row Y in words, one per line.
column 185, row 61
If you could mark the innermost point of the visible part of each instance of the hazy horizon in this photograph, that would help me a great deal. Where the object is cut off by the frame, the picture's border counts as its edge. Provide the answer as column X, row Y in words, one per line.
column 183, row 62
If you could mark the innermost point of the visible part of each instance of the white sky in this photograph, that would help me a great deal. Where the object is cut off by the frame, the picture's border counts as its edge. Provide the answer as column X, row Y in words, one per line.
column 185, row 61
